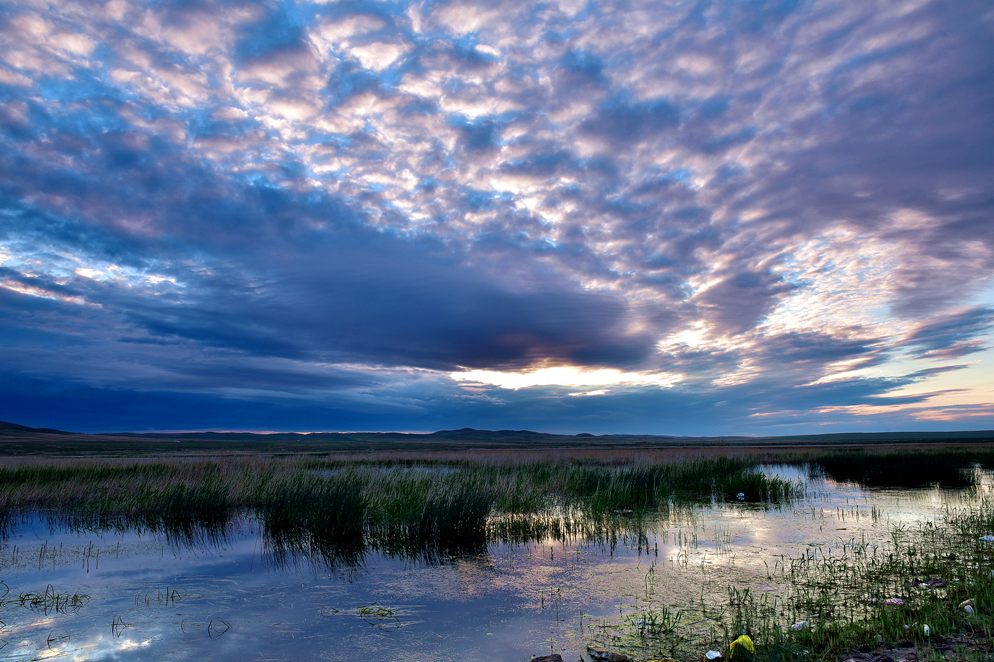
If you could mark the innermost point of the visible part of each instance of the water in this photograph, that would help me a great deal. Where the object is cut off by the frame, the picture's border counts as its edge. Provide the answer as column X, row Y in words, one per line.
column 149, row 595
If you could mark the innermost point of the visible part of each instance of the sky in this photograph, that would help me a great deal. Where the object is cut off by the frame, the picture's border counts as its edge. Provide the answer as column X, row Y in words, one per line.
column 673, row 217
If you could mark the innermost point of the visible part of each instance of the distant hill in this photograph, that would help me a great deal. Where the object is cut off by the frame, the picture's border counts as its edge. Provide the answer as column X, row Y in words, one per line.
column 474, row 434
column 18, row 439
column 7, row 427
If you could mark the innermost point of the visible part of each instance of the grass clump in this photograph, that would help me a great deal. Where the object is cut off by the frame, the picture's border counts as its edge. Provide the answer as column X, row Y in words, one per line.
column 849, row 598
column 907, row 595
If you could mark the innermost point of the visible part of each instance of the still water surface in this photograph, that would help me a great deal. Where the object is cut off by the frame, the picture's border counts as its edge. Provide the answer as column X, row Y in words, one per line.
column 147, row 595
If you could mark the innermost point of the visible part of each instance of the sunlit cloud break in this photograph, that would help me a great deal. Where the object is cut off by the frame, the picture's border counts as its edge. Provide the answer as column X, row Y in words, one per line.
column 566, row 376
column 703, row 218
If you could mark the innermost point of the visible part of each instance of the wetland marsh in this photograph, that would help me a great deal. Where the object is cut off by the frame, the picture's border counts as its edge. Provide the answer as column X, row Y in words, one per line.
column 495, row 557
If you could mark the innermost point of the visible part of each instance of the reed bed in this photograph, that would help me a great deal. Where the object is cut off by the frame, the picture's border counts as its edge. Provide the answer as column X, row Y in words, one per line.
column 882, row 469
column 339, row 509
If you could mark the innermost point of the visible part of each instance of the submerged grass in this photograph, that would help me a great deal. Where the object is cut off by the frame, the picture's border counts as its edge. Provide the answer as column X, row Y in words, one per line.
column 51, row 601
column 48, row 602
column 912, row 591
column 927, row 592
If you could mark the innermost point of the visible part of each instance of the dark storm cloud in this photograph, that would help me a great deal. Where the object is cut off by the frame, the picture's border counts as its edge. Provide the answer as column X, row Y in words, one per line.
column 369, row 297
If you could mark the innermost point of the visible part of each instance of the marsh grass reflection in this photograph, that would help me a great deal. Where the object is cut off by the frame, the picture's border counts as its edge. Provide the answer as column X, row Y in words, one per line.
column 336, row 512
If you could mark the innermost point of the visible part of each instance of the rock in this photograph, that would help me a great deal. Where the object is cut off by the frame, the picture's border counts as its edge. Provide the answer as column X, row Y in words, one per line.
column 927, row 630
column 967, row 606
column 933, row 582
column 987, row 538
column 893, row 602
column 606, row 656
column 555, row 657
column 712, row 655
column 800, row 625
column 741, row 496
column 969, row 610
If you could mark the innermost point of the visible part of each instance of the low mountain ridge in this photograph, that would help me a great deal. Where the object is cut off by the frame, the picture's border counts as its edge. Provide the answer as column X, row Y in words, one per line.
column 17, row 439
column 7, row 427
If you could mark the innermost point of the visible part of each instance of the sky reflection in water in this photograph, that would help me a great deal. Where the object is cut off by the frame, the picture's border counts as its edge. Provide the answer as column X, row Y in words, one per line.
column 231, row 598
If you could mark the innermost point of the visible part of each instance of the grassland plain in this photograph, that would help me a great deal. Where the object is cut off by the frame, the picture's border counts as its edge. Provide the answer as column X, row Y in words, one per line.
column 21, row 441
column 336, row 509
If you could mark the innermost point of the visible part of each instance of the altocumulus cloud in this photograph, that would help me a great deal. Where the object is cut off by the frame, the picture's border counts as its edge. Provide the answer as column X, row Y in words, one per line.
column 704, row 217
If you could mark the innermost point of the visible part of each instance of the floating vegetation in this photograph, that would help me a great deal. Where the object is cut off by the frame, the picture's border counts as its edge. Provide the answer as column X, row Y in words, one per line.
column 51, row 601
column 379, row 616
column 376, row 611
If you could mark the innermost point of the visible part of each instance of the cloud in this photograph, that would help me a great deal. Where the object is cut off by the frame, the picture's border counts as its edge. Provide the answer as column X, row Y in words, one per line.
column 953, row 335
column 787, row 204
column 620, row 120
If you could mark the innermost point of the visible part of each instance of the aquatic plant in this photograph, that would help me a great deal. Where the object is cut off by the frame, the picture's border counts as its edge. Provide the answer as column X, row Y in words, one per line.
column 947, row 468
column 51, row 601
column 912, row 590
column 335, row 510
